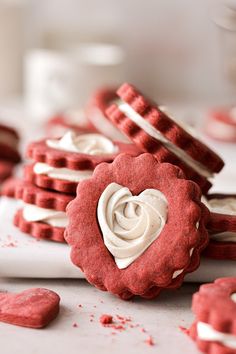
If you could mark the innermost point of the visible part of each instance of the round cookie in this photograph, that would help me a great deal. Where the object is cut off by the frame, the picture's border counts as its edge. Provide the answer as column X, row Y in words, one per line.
column 96, row 113
column 221, row 226
column 9, row 140
column 153, row 131
column 221, row 124
column 60, row 164
column 6, row 169
column 214, row 306
column 124, row 216
column 8, row 187
column 43, row 214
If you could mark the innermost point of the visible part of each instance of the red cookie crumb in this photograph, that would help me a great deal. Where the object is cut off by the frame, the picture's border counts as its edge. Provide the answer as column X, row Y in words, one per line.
column 149, row 341
column 106, row 319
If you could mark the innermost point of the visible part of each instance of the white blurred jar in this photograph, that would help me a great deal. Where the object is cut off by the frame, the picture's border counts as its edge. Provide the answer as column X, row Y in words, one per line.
column 11, row 47
column 55, row 81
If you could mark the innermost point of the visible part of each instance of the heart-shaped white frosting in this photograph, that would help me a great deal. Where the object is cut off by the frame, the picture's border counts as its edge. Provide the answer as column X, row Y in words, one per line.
column 91, row 144
column 130, row 224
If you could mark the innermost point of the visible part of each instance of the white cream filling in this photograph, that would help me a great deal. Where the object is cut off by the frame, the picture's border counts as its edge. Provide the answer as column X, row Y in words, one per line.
column 226, row 236
column 8, row 139
column 130, row 224
column 61, row 173
column 33, row 213
column 178, row 272
column 226, row 206
column 206, row 332
column 149, row 129
column 91, row 144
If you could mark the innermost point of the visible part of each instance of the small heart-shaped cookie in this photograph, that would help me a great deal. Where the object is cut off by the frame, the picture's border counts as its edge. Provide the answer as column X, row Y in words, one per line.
column 33, row 308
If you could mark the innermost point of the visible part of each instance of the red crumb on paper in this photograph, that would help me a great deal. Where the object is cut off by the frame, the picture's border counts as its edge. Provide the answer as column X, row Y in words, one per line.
column 75, row 325
column 184, row 330
column 10, row 242
column 106, row 319
column 149, row 341
column 80, row 305
column 120, row 323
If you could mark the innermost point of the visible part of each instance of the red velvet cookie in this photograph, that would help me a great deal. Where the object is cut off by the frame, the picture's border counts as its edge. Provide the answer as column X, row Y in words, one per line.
column 124, row 216
column 6, row 170
column 96, row 113
column 153, row 131
column 62, row 163
column 8, row 187
column 9, row 140
column 214, row 306
column 47, row 182
column 43, row 214
column 221, row 226
column 75, row 120
column 34, row 308
column 221, row 124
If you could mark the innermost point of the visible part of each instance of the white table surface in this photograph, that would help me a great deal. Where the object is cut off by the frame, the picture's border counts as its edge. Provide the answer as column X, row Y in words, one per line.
column 160, row 317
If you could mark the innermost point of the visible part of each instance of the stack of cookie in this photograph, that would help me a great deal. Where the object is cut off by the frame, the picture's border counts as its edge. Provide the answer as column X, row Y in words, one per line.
column 9, row 155
column 50, row 181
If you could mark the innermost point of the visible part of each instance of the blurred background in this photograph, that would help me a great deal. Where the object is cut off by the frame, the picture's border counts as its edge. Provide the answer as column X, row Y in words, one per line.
column 54, row 53
column 172, row 49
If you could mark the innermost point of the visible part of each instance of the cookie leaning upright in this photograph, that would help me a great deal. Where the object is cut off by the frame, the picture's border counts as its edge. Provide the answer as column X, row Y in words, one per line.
column 60, row 164
column 221, row 226
column 96, row 113
column 122, row 220
column 153, row 131
column 214, row 306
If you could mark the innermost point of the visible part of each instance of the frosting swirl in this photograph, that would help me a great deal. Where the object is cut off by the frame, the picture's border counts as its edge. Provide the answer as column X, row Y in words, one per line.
column 130, row 224
column 91, row 144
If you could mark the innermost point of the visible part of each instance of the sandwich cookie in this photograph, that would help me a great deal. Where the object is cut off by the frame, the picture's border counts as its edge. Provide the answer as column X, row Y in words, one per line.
column 60, row 164
column 221, row 226
column 6, row 170
column 9, row 140
column 43, row 214
column 221, row 124
column 154, row 131
column 124, row 216
column 96, row 113
column 8, row 187
column 214, row 306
